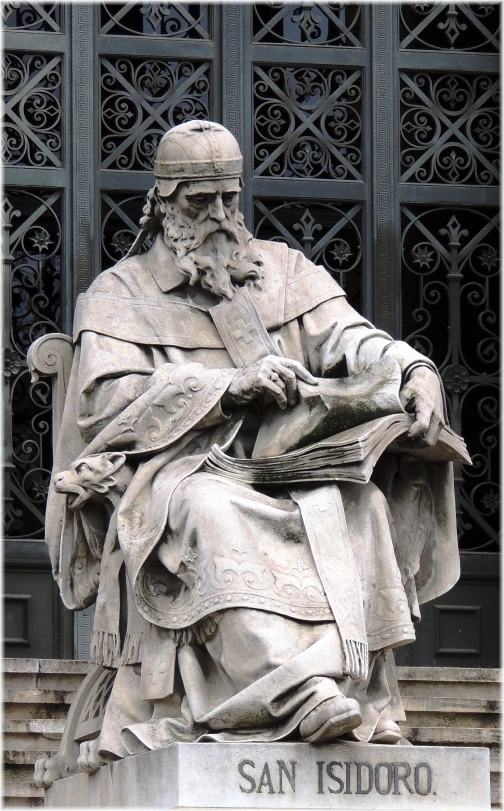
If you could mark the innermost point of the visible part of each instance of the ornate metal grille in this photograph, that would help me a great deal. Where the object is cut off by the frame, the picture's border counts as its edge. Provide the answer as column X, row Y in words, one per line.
column 370, row 136
column 450, row 268
column 32, row 112
column 140, row 100
column 18, row 16
column 119, row 225
column 450, row 26
column 328, row 234
column 450, row 128
column 33, row 224
column 307, row 122
column 180, row 20
column 308, row 23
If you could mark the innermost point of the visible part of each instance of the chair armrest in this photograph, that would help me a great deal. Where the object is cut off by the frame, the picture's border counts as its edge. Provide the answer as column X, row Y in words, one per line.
column 51, row 356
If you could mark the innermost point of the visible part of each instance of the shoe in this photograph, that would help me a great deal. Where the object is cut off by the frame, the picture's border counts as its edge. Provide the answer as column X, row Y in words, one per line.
column 386, row 732
column 330, row 719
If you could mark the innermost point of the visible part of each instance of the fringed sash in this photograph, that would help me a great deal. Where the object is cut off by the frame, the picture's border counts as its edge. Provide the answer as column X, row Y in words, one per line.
column 106, row 646
column 323, row 515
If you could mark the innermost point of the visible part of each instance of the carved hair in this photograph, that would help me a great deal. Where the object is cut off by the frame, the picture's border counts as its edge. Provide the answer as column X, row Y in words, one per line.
column 213, row 255
column 150, row 223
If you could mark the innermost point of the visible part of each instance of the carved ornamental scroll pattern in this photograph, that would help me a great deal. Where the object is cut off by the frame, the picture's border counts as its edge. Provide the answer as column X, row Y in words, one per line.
column 35, row 249
column 327, row 234
column 32, row 109
column 142, row 98
column 450, row 261
column 450, row 26
column 176, row 20
column 307, row 122
column 450, row 128
column 17, row 16
column 308, row 23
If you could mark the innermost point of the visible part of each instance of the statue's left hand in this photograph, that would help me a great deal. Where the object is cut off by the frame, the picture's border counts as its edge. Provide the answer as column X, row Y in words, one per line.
column 422, row 396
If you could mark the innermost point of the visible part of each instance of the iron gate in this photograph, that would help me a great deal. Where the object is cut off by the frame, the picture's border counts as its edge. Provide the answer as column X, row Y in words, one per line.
column 371, row 143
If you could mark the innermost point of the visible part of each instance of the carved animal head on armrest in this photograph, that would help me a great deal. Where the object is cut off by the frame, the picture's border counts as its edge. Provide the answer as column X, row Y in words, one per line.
column 103, row 476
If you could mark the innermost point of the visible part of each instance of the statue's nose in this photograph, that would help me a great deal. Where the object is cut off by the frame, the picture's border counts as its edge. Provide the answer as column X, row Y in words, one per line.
column 217, row 210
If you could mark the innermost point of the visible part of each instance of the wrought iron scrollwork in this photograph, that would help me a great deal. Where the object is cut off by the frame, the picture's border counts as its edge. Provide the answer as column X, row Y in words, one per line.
column 450, row 128
column 119, row 217
column 17, row 16
column 327, row 234
column 35, row 249
column 450, row 275
column 175, row 20
column 307, row 122
column 32, row 109
column 140, row 100
column 450, row 26
column 308, row 23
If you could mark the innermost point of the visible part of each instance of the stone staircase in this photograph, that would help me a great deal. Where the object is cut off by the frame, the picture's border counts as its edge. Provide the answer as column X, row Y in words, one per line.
column 444, row 706
column 454, row 706
column 37, row 694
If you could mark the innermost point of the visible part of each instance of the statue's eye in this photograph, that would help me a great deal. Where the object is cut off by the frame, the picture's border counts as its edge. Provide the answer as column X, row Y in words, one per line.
column 82, row 467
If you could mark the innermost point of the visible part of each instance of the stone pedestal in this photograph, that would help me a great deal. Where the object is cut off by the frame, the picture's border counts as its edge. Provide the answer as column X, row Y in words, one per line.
column 286, row 775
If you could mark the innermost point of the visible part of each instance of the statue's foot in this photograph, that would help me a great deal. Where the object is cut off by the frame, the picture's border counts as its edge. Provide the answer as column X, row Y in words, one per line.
column 386, row 731
column 330, row 719
column 89, row 759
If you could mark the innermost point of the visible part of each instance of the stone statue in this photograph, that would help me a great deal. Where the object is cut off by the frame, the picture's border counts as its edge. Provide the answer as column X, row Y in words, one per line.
column 235, row 611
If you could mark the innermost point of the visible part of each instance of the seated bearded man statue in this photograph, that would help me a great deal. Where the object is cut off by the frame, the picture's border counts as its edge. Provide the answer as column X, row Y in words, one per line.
column 234, row 611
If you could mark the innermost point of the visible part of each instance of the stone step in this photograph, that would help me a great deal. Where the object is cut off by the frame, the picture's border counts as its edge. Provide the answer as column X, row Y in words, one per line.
column 447, row 711
column 51, row 674
column 38, row 734
column 450, row 706
column 49, row 727
column 25, row 757
column 451, row 736
column 36, row 695
column 455, row 682
column 36, row 711
column 18, row 782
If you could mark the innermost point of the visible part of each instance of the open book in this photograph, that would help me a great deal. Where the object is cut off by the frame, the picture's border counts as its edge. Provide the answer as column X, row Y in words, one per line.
column 331, row 406
column 348, row 456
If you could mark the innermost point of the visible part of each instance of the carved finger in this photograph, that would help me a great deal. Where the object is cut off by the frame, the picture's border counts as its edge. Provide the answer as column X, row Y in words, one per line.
column 299, row 370
column 276, row 391
column 419, row 427
column 405, row 396
column 287, row 377
column 436, row 424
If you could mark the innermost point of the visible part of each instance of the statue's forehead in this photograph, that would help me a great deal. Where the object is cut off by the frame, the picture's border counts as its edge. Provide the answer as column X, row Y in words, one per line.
column 210, row 186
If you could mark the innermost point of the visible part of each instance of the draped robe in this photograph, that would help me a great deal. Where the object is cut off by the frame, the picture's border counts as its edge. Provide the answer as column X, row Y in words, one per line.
column 149, row 372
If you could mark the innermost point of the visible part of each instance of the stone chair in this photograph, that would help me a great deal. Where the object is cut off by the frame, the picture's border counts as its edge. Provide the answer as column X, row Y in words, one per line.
column 51, row 357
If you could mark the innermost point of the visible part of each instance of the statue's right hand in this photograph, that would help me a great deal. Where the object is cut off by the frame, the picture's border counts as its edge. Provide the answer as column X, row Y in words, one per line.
column 274, row 375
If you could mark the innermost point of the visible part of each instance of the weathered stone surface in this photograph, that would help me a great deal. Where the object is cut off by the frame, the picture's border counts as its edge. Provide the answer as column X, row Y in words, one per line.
column 271, row 606
column 295, row 775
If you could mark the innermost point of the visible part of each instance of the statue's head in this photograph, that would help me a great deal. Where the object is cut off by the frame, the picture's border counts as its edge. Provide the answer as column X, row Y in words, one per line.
column 194, row 204
column 196, row 151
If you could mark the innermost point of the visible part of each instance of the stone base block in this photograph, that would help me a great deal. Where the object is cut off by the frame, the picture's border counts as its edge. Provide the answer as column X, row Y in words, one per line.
column 286, row 775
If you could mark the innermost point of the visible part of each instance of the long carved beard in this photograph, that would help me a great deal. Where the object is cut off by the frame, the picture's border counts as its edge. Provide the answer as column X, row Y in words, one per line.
column 210, row 253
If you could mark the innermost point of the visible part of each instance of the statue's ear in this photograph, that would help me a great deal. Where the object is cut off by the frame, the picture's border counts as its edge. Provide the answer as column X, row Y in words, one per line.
column 117, row 460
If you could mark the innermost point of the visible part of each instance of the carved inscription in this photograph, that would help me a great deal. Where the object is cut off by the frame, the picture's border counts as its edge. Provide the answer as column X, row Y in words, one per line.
column 337, row 777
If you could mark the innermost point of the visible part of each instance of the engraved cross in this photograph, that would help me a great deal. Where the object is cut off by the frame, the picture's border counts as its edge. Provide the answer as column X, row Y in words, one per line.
column 243, row 333
column 159, row 666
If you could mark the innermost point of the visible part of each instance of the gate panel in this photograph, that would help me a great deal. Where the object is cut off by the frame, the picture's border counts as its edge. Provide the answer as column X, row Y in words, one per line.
column 370, row 137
